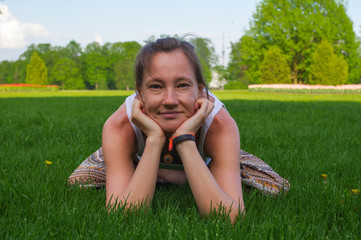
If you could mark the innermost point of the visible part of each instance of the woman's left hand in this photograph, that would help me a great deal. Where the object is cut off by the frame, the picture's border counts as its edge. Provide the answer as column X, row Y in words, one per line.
column 191, row 125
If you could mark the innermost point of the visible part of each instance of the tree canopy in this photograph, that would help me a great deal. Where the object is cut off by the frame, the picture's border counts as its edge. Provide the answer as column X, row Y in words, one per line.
column 285, row 43
column 327, row 68
column 274, row 67
column 124, row 75
column 296, row 27
column 36, row 71
column 67, row 75
column 108, row 66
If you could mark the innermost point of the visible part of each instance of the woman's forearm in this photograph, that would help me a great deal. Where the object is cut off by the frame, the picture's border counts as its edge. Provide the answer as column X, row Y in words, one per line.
column 208, row 194
column 142, row 184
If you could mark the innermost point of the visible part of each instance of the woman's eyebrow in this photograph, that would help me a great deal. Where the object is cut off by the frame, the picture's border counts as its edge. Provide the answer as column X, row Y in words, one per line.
column 154, row 80
column 184, row 79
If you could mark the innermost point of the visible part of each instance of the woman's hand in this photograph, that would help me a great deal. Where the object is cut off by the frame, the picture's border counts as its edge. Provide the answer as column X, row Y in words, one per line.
column 145, row 123
column 203, row 108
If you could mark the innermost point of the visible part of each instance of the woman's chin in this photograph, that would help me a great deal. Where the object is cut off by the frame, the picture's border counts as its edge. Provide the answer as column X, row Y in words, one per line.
column 169, row 128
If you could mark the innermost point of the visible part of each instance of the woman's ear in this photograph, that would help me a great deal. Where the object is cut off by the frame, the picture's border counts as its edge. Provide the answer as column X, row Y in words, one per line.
column 200, row 90
column 139, row 96
column 139, row 93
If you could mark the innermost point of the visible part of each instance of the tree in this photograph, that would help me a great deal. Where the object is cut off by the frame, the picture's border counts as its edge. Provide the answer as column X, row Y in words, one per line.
column 206, row 54
column 96, row 66
column 274, row 67
column 327, row 68
column 49, row 54
column 36, row 71
column 73, row 50
column 5, row 71
column 18, row 71
column 67, row 75
column 297, row 27
column 243, row 66
column 123, row 68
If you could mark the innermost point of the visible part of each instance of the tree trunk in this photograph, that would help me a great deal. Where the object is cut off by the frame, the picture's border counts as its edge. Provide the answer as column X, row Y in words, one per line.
column 294, row 73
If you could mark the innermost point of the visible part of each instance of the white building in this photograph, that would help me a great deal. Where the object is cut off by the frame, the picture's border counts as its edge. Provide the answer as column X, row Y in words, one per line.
column 217, row 82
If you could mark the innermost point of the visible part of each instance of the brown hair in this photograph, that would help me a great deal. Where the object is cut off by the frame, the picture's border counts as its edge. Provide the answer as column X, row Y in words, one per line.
column 143, row 59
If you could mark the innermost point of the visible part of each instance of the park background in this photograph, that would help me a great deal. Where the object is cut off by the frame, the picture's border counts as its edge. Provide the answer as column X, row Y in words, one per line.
column 312, row 140
column 257, row 42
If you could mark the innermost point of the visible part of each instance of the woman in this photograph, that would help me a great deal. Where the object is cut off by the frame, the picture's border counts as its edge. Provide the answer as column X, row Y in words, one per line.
column 171, row 130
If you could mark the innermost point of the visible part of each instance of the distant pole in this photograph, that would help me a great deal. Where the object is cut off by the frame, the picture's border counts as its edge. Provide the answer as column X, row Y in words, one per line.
column 223, row 52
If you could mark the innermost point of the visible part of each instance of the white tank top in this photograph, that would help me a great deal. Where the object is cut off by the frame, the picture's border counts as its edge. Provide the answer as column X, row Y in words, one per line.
column 204, row 129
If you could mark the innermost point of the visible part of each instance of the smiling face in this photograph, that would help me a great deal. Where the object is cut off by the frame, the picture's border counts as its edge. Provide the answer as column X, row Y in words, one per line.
column 170, row 90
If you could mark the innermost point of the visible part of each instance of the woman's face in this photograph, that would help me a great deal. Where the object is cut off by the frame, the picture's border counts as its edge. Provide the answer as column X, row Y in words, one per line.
column 170, row 91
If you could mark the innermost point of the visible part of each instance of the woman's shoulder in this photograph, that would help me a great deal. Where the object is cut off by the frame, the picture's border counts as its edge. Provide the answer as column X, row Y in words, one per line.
column 223, row 126
column 117, row 130
column 119, row 122
column 222, row 121
column 119, row 117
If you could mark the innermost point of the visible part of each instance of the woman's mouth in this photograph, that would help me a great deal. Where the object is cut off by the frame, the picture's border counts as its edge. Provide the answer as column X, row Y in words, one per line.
column 170, row 114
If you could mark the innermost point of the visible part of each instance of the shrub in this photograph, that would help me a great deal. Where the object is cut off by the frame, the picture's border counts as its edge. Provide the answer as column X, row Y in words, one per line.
column 235, row 85
column 274, row 68
column 327, row 68
column 36, row 71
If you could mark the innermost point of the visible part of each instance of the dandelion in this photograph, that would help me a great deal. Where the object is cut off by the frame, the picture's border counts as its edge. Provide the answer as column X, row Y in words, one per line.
column 48, row 162
column 324, row 176
column 355, row 191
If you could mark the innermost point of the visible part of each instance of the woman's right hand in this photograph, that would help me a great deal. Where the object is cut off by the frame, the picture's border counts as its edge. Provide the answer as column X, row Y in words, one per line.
column 145, row 123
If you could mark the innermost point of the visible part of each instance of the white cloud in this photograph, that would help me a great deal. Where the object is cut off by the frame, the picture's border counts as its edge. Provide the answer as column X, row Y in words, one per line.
column 98, row 38
column 14, row 34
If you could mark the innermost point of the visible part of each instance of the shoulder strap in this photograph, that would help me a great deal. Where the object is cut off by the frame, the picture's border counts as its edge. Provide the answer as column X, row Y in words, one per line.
column 140, row 140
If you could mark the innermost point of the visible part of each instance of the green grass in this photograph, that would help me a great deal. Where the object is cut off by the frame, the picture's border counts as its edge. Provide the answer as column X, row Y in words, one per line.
column 23, row 87
column 300, row 135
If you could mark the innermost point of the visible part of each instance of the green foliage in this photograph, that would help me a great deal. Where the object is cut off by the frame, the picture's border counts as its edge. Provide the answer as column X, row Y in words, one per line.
column 72, row 50
column 274, row 67
column 18, row 71
column 206, row 54
column 108, row 66
column 123, row 67
column 234, row 69
column 234, row 85
column 328, row 68
column 36, row 71
column 5, row 71
column 297, row 27
column 96, row 66
column 67, row 75
column 242, row 67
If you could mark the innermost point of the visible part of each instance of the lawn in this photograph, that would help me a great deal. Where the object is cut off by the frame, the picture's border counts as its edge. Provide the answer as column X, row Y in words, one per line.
column 301, row 136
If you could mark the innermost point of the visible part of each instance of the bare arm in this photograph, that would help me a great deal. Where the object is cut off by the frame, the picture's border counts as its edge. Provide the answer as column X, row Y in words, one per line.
column 220, row 185
column 126, row 185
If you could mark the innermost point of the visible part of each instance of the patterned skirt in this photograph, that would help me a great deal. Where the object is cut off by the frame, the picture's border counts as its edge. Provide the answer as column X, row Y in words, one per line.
column 254, row 173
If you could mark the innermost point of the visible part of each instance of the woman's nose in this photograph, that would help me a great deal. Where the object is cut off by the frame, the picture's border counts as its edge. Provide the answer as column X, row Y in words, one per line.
column 170, row 97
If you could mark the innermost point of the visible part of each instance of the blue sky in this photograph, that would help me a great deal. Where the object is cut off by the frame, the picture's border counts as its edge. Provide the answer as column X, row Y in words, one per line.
column 57, row 22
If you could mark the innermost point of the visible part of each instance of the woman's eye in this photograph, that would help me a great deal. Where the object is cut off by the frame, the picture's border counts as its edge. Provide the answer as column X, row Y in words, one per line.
column 155, row 86
column 183, row 85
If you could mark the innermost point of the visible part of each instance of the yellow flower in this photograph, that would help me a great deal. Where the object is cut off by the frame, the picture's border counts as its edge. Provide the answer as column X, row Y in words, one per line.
column 324, row 176
column 48, row 162
column 355, row 191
